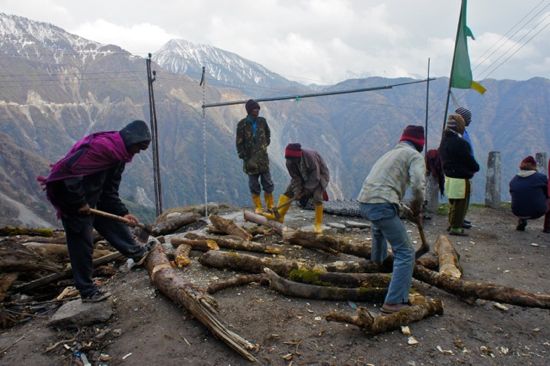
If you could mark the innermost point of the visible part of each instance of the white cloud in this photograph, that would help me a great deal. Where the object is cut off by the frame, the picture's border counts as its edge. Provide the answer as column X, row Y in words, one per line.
column 138, row 38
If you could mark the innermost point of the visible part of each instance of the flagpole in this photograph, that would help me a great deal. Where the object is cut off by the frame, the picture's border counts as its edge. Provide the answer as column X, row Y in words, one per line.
column 452, row 67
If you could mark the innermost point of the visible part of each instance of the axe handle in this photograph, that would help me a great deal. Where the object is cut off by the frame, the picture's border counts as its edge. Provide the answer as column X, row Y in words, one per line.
column 115, row 217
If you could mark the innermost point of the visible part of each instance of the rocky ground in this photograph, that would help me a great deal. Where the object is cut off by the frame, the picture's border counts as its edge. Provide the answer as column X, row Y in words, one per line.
column 148, row 329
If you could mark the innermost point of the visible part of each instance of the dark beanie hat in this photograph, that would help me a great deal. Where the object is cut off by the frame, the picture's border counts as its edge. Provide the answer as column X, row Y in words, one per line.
column 466, row 114
column 528, row 163
column 293, row 150
column 414, row 134
column 134, row 133
column 251, row 105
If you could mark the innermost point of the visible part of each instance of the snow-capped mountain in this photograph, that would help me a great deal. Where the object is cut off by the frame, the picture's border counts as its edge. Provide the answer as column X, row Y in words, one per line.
column 223, row 68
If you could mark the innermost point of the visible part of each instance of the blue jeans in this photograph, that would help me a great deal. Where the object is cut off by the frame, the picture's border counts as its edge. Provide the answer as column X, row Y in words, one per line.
column 387, row 227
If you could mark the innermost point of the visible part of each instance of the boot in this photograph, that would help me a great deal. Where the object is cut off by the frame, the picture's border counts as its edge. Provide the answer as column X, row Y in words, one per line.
column 257, row 203
column 318, row 226
column 268, row 197
column 282, row 211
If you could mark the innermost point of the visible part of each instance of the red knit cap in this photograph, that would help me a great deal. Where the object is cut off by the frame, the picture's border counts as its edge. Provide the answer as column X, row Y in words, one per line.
column 529, row 163
column 414, row 134
column 293, row 150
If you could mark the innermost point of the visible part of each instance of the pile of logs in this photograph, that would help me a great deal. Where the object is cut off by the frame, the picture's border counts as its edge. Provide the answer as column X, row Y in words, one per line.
column 26, row 265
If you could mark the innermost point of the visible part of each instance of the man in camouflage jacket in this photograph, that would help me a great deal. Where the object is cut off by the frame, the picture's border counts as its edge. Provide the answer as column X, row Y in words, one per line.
column 253, row 138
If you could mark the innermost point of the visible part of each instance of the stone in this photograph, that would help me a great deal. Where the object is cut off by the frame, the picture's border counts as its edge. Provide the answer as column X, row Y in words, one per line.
column 76, row 313
column 336, row 225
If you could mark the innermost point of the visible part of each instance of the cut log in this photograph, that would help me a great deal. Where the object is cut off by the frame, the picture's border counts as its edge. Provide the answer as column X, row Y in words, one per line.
column 482, row 290
column 236, row 243
column 65, row 274
column 170, row 224
column 307, row 291
column 204, row 245
column 182, row 255
column 197, row 302
column 6, row 280
column 420, row 308
column 341, row 279
column 234, row 282
column 14, row 257
column 12, row 231
column 448, row 257
column 282, row 266
column 229, row 227
column 262, row 220
column 328, row 243
column 429, row 261
column 59, row 252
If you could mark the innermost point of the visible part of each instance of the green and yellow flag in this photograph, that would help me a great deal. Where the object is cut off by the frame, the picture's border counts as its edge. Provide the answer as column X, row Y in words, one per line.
column 461, row 74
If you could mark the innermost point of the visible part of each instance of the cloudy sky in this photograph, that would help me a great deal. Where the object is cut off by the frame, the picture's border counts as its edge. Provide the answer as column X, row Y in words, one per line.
column 320, row 41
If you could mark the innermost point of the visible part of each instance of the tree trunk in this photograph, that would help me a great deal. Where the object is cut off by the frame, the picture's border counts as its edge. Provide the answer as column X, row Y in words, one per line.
column 59, row 252
column 229, row 227
column 181, row 255
column 204, row 245
column 448, row 257
column 262, row 220
column 12, row 231
column 421, row 308
column 15, row 257
column 482, row 290
column 307, row 291
column 198, row 303
column 236, row 243
column 235, row 281
column 168, row 225
column 329, row 243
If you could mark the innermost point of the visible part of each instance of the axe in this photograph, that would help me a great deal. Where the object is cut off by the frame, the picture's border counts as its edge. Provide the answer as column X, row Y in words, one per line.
column 143, row 231
column 425, row 247
column 275, row 210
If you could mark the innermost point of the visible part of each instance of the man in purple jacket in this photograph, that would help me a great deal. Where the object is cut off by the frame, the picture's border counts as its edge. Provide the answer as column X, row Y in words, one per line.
column 89, row 176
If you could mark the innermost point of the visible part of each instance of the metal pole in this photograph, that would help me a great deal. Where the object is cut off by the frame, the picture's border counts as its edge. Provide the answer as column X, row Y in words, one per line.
column 203, row 84
column 427, row 105
column 311, row 95
column 154, row 136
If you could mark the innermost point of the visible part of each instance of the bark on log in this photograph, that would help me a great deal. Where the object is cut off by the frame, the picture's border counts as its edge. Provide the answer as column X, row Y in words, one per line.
column 307, row 291
column 328, row 243
column 482, row 290
column 204, row 245
column 229, row 227
column 234, row 282
column 421, row 308
column 262, row 220
column 14, row 257
column 282, row 266
column 181, row 255
column 6, row 280
column 59, row 252
column 198, row 303
column 341, row 279
column 448, row 257
column 173, row 223
column 65, row 274
column 236, row 243
column 429, row 261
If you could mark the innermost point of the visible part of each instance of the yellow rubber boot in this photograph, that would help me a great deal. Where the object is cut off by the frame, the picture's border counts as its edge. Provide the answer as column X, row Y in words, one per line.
column 268, row 197
column 257, row 203
column 318, row 226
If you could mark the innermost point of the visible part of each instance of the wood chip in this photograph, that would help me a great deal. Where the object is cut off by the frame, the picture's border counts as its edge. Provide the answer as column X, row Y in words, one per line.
column 499, row 306
column 406, row 330
column 445, row 351
column 412, row 341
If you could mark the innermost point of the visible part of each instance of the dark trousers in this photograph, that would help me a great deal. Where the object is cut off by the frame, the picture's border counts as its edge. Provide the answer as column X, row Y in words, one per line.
column 78, row 230
column 458, row 208
column 265, row 179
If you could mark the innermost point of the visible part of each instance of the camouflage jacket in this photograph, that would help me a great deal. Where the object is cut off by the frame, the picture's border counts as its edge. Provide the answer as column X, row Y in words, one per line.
column 252, row 149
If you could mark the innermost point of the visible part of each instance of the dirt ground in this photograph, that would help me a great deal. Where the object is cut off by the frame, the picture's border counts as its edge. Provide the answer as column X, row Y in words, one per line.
column 150, row 330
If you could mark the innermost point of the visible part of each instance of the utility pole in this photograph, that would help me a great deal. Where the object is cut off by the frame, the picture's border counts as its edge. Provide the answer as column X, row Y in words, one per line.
column 151, row 76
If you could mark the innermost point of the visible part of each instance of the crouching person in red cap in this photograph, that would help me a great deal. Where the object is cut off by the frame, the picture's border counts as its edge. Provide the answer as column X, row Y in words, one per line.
column 529, row 191
column 309, row 177
column 380, row 201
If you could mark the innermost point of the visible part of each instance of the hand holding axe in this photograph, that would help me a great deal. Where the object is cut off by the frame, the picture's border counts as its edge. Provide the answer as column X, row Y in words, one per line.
column 143, row 232
column 275, row 210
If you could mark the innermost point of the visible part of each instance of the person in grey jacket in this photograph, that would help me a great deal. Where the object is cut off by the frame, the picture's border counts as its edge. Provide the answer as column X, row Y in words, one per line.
column 380, row 201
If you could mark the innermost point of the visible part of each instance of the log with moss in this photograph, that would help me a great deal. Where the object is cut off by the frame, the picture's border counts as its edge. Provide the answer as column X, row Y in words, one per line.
column 236, row 243
column 13, row 230
column 482, row 290
column 448, row 257
column 323, row 290
column 229, row 227
column 195, row 300
column 420, row 308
